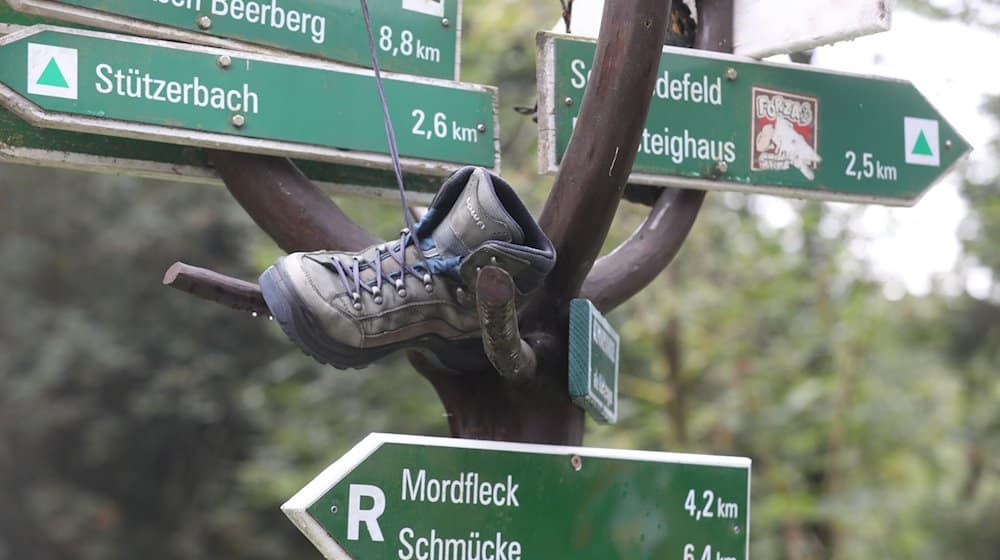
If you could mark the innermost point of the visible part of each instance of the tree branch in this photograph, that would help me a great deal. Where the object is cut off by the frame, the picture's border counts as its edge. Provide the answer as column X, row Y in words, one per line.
column 287, row 205
column 598, row 160
column 509, row 354
column 635, row 263
column 628, row 269
column 212, row 286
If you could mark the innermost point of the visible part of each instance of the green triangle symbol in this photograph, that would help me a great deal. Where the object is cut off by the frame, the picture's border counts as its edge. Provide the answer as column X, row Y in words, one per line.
column 52, row 76
column 921, row 147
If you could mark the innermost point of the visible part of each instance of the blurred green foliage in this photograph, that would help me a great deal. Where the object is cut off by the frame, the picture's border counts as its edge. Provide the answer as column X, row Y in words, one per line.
column 137, row 422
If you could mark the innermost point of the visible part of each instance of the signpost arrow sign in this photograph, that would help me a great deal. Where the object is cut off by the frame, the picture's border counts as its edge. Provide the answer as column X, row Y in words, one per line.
column 199, row 96
column 414, row 36
column 420, row 498
column 728, row 123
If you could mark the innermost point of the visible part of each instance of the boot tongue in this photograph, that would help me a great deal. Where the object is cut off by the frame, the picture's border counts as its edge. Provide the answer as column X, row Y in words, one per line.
column 477, row 217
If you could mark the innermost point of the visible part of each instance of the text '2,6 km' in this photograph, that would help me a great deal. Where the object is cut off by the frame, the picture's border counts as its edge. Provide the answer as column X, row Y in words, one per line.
column 721, row 122
column 419, row 498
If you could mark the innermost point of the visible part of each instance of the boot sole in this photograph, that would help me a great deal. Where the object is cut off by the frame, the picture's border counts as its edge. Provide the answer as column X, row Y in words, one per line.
column 304, row 330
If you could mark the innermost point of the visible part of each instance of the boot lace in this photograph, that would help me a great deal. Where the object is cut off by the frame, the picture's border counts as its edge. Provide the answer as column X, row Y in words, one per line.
column 426, row 269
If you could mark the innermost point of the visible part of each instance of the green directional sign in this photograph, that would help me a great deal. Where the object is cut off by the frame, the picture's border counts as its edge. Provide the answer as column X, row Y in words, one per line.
column 593, row 361
column 413, row 36
column 198, row 96
column 25, row 144
column 728, row 123
column 420, row 498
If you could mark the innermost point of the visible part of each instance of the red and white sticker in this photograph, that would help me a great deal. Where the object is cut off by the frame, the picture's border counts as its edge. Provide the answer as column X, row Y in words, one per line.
column 784, row 132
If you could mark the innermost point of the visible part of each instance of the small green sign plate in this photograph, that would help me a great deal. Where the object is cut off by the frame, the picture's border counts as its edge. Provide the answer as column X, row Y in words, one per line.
column 728, row 123
column 198, row 96
column 420, row 498
column 593, row 361
column 413, row 36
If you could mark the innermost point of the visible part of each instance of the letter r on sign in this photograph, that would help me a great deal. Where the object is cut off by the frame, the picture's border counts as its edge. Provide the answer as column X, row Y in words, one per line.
column 356, row 516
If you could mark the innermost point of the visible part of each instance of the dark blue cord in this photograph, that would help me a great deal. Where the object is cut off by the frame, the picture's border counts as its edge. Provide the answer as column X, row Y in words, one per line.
column 389, row 132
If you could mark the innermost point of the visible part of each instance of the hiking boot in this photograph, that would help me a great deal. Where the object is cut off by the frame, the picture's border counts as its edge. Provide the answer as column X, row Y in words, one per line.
column 349, row 309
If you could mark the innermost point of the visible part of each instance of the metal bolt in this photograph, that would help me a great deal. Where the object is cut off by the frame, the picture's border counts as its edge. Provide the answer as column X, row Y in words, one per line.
column 333, row 509
column 225, row 61
column 481, row 127
column 721, row 167
column 576, row 462
column 731, row 74
column 568, row 101
column 239, row 121
column 736, row 529
column 445, row 22
column 947, row 144
column 204, row 22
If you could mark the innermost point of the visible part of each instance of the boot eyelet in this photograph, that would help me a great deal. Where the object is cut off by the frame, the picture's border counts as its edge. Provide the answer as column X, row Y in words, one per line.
column 378, row 300
column 429, row 288
column 427, row 278
column 401, row 293
column 357, row 306
column 399, row 283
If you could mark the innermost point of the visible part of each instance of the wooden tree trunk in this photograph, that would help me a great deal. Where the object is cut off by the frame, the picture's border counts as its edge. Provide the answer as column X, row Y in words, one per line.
column 529, row 402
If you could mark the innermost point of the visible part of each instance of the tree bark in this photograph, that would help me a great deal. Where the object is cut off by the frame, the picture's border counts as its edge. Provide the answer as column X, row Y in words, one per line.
column 630, row 267
column 212, row 286
column 598, row 160
column 293, row 211
column 635, row 263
